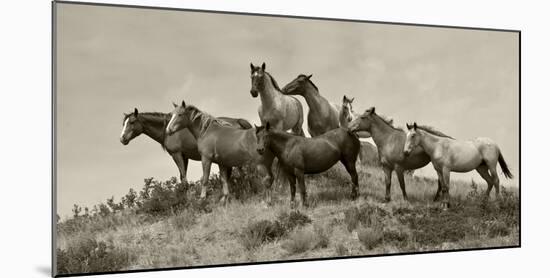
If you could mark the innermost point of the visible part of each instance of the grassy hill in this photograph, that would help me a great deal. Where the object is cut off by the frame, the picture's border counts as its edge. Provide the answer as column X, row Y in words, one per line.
column 165, row 225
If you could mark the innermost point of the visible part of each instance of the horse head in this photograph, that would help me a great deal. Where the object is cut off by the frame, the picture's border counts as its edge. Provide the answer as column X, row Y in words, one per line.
column 131, row 127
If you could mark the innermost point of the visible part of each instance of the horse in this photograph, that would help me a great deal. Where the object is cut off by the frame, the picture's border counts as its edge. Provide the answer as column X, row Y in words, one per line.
column 282, row 111
column 346, row 115
column 322, row 115
column 299, row 155
column 181, row 145
column 390, row 142
column 450, row 155
column 219, row 143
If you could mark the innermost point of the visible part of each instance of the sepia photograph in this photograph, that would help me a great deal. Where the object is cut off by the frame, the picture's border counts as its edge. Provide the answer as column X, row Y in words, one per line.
column 187, row 138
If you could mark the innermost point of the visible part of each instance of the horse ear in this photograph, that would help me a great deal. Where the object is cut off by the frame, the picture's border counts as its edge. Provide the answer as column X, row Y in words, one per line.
column 408, row 126
column 372, row 110
column 251, row 67
column 309, row 76
column 263, row 66
column 174, row 104
column 135, row 112
column 351, row 100
column 344, row 98
column 414, row 125
column 183, row 103
column 267, row 126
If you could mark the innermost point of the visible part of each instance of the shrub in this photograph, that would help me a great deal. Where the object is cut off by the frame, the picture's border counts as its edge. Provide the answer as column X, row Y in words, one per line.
column 341, row 250
column 300, row 242
column 370, row 237
column 183, row 220
column 259, row 232
column 87, row 255
column 366, row 215
column 262, row 231
column 293, row 219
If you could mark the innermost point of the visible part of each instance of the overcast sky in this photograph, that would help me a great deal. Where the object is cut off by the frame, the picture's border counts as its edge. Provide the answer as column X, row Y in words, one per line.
column 110, row 60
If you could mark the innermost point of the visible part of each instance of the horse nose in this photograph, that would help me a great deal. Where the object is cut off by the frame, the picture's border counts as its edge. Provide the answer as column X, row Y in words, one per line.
column 406, row 152
column 123, row 141
column 260, row 150
column 254, row 92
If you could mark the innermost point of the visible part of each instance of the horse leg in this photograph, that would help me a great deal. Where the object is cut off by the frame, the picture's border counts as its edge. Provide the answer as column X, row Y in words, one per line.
column 350, row 167
column 206, row 164
column 267, row 180
column 302, row 186
column 387, row 173
column 496, row 180
column 483, row 171
column 446, row 176
column 292, row 184
column 401, row 179
column 225, row 173
column 438, row 192
column 182, row 166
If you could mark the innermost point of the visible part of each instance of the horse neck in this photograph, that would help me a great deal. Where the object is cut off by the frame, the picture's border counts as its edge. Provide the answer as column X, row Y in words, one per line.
column 380, row 131
column 269, row 95
column 313, row 99
column 277, row 142
column 154, row 126
column 197, row 125
column 428, row 141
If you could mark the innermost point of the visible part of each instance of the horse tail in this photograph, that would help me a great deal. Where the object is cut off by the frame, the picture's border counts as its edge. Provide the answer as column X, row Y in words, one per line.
column 244, row 124
column 504, row 166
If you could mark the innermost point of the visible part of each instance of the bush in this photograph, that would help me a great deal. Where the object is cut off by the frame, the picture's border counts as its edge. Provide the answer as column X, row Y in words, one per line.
column 370, row 237
column 256, row 233
column 367, row 215
column 300, row 242
column 87, row 255
column 293, row 219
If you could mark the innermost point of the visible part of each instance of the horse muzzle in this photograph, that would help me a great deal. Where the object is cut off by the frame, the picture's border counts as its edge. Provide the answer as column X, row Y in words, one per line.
column 124, row 141
column 406, row 152
column 254, row 93
column 261, row 150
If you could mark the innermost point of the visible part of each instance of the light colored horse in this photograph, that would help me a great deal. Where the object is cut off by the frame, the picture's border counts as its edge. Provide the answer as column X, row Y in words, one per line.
column 299, row 155
column 322, row 115
column 450, row 155
column 390, row 142
column 181, row 145
column 281, row 111
column 222, row 144
column 346, row 115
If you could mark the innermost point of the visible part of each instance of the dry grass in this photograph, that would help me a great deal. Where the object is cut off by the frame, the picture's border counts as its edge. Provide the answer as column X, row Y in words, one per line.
column 332, row 226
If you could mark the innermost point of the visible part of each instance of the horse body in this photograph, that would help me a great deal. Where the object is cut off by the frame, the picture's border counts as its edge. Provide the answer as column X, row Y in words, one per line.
column 300, row 155
column 322, row 115
column 390, row 142
column 283, row 112
column 219, row 143
column 449, row 155
column 181, row 145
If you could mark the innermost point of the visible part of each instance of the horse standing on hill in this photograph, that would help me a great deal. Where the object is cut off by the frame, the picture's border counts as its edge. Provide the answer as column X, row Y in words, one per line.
column 299, row 155
column 322, row 115
column 181, row 145
column 283, row 112
column 450, row 155
column 390, row 142
column 220, row 143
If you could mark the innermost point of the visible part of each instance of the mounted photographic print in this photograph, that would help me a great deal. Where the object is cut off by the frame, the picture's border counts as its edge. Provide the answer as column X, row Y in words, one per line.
column 187, row 138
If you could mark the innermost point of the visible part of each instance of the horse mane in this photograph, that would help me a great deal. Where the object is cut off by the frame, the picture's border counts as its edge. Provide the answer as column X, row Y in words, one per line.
column 388, row 121
column 433, row 131
column 311, row 82
column 205, row 119
column 164, row 117
column 273, row 81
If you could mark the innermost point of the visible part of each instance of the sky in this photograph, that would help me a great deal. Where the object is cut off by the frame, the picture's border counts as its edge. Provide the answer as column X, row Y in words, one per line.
column 112, row 59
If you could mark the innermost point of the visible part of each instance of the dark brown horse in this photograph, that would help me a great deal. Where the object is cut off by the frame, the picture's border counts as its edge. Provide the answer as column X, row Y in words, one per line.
column 299, row 155
column 181, row 145
column 220, row 143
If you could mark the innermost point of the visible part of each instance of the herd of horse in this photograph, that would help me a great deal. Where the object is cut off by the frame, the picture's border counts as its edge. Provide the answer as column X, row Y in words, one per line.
column 190, row 133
